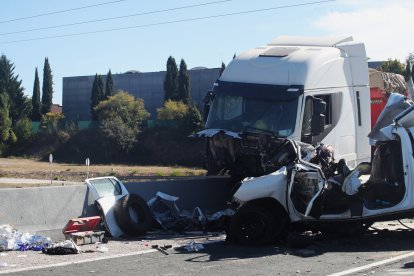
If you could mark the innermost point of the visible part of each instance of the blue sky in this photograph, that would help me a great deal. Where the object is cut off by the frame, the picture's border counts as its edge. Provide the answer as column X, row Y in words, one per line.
column 208, row 42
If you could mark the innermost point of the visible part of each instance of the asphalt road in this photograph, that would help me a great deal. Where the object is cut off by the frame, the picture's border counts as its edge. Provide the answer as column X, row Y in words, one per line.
column 310, row 256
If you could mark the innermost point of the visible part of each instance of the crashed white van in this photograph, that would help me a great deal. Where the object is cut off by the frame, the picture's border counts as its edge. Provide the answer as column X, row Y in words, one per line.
column 325, row 195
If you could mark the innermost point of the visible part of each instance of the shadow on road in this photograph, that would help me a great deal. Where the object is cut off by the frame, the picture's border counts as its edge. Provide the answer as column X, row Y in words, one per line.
column 371, row 241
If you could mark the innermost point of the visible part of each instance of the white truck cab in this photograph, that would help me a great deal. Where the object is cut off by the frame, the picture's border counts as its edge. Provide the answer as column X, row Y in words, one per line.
column 314, row 90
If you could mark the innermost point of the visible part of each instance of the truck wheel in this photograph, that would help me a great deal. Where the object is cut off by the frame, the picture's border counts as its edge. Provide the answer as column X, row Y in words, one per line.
column 256, row 225
column 133, row 215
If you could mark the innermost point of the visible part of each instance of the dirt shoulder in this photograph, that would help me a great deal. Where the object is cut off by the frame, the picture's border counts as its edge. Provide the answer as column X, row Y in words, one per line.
column 33, row 169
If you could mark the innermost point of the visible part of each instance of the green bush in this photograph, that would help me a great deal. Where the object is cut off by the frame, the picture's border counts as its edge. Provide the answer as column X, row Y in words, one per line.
column 193, row 120
column 23, row 130
column 172, row 110
column 120, row 118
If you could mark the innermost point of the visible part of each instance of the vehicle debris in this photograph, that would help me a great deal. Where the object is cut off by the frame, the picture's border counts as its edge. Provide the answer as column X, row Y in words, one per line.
column 194, row 247
column 166, row 212
column 161, row 249
column 82, row 230
column 124, row 214
column 62, row 248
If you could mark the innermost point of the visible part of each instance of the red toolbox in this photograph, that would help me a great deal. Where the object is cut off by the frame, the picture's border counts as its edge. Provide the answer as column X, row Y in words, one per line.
column 81, row 230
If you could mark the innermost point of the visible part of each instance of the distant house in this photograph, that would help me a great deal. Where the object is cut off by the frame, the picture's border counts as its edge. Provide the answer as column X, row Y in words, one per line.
column 375, row 64
column 56, row 108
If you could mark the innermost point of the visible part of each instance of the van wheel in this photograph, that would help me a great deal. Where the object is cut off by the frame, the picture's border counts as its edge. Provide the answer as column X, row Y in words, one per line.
column 256, row 225
column 133, row 215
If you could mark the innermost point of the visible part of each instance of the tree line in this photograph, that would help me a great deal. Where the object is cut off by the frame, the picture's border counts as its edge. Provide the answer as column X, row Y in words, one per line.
column 395, row 66
column 17, row 110
column 120, row 115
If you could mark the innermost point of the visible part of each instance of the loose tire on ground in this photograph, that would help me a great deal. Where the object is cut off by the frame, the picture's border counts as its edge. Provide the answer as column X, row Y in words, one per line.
column 256, row 225
column 133, row 215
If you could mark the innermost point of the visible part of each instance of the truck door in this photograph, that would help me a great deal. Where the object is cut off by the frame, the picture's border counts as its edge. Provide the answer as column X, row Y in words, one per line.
column 306, row 191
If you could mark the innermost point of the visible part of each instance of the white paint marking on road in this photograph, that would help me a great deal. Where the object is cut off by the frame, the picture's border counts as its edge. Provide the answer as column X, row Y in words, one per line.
column 398, row 272
column 78, row 262
column 142, row 252
column 372, row 265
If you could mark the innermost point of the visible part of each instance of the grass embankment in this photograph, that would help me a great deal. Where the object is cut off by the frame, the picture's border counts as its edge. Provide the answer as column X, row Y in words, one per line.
column 26, row 168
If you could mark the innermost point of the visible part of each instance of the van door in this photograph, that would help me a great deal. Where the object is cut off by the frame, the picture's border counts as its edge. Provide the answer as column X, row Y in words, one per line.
column 306, row 190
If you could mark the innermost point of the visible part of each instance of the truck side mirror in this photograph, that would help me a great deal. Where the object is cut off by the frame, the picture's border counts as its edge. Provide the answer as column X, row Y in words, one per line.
column 208, row 99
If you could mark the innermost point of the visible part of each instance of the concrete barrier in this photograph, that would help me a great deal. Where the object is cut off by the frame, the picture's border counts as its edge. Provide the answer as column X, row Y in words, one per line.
column 209, row 193
column 43, row 209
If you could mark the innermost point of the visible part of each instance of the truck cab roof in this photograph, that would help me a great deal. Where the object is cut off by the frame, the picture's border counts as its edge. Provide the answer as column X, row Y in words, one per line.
column 323, row 62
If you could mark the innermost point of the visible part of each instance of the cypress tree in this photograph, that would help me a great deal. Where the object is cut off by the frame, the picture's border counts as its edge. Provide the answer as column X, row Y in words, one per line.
column 109, row 86
column 97, row 95
column 47, row 89
column 183, row 84
column 412, row 72
column 170, row 81
column 11, row 85
column 5, row 120
column 407, row 70
column 36, row 108
column 223, row 66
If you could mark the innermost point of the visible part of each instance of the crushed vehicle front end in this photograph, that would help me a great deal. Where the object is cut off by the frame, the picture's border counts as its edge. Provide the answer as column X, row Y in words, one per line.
column 265, row 206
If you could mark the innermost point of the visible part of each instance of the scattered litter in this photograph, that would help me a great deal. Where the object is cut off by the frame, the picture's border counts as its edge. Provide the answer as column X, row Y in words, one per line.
column 194, row 247
column 62, row 248
column 3, row 254
column 21, row 256
column 11, row 239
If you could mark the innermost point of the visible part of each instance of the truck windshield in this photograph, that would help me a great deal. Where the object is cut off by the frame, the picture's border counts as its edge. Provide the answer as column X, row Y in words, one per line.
column 254, row 107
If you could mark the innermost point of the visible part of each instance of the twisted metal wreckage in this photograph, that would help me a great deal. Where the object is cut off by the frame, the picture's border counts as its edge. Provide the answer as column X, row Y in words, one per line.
column 281, row 185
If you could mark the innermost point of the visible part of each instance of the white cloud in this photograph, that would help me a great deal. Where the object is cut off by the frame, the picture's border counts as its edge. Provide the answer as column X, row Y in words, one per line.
column 384, row 26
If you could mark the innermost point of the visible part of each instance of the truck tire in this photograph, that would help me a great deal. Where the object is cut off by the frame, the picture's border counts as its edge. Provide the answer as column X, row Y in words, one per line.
column 256, row 225
column 133, row 215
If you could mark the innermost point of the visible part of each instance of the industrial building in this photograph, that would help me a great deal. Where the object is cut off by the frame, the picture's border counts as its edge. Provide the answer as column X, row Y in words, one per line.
column 77, row 91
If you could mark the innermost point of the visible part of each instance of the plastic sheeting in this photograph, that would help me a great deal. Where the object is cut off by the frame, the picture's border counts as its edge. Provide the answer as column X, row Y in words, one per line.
column 388, row 82
column 11, row 239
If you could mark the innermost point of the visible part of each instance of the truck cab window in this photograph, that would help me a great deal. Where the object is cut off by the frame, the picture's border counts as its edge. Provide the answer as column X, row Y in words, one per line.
column 332, row 112
column 255, row 108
